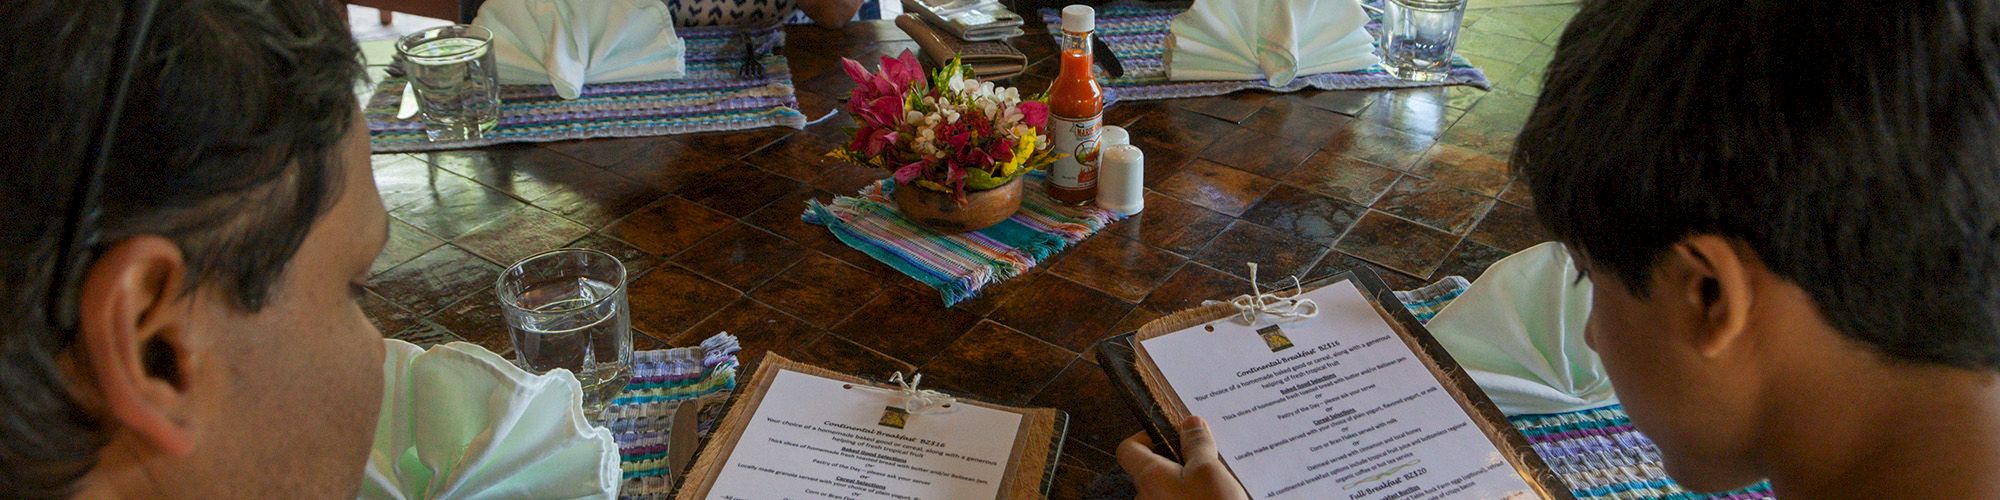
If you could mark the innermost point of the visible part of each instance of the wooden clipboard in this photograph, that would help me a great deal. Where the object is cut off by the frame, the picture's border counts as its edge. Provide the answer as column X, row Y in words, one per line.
column 1029, row 475
column 1158, row 408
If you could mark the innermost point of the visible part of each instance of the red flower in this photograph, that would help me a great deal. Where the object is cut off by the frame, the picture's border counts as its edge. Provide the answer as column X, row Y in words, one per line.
column 1035, row 114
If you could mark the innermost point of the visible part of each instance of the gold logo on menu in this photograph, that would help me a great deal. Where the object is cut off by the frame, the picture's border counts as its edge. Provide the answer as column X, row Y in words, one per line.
column 1274, row 338
column 894, row 417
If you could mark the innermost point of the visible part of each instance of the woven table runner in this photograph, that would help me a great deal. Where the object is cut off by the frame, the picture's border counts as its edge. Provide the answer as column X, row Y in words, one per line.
column 710, row 98
column 1138, row 35
column 1596, row 451
column 641, row 417
column 959, row 265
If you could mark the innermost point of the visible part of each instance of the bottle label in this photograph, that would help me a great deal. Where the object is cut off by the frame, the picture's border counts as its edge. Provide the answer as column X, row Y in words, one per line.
column 1077, row 138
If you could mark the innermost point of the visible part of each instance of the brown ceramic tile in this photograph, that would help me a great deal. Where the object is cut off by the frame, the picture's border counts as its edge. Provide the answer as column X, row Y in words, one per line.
column 782, row 217
column 1485, row 133
column 1192, row 284
column 1097, row 414
column 1378, row 145
column 425, row 334
column 1421, row 112
column 636, row 261
column 996, row 294
column 1517, row 193
column 1217, row 187
column 405, row 242
column 387, row 317
column 434, row 279
column 1396, row 243
column 1336, row 263
column 759, row 327
column 846, row 179
column 670, row 299
column 1124, row 113
column 735, row 144
column 801, row 157
column 1434, row 204
column 602, row 152
column 1063, row 313
column 1186, row 131
column 1305, row 215
column 479, row 320
column 644, row 342
column 1296, row 120
column 1124, row 268
column 1346, row 102
column 1343, row 177
column 668, row 166
column 1277, row 255
column 449, row 215
column 998, row 364
column 907, row 324
column 838, row 354
column 821, row 290
column 1233, row 108
column 1162, row 161
column 741, row 256
column 524, row 172
column 1171, row 224
column 1072, row 481
column 519, row 234
column 738, row 189
column 1465, row 169
column 1257, row 152
column 597, row 203
column 667, row 227
column 404, row 180
column 1470, row 260
column 1510, row 228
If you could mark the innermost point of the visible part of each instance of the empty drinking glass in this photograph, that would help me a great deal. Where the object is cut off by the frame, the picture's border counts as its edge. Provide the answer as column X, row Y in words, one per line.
column 457, row 83
column 566, row 309
column 1418, row 37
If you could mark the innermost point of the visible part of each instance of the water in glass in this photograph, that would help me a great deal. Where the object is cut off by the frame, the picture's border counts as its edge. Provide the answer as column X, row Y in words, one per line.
column 1419, row 36
column 456, row 80
column 567, row 309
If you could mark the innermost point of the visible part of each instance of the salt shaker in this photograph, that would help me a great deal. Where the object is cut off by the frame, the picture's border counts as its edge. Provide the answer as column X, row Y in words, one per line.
column 1113, row 135
column 1121, row 179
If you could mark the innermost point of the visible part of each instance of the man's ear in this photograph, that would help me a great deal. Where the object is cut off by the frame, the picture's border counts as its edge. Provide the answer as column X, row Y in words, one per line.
column 1711, row 274
column 134, row 341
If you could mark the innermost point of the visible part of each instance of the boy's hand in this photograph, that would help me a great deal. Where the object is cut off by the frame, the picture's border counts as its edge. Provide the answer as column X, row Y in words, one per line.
column 1203, row 477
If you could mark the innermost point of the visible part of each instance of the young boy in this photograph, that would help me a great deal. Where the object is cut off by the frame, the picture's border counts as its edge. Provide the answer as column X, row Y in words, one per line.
column 1791, row 213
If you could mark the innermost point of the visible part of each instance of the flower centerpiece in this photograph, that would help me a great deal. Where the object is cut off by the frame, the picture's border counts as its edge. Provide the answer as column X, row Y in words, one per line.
column 958, row 146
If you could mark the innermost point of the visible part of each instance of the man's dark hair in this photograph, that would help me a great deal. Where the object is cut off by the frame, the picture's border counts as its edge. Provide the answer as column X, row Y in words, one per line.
column 226, row 147
column 1854, row 146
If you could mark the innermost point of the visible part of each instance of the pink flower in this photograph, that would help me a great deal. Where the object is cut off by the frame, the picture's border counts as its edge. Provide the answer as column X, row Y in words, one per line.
column 909, row 171
column 1035, row 114
column 903, row 71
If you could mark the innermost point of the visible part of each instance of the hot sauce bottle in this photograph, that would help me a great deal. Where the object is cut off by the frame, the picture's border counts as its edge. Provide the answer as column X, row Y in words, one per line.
column 1076, row 110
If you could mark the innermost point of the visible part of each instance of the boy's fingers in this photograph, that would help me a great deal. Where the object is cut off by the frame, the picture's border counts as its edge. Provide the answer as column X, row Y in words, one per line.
column 1196, row 440
column 1136, row 455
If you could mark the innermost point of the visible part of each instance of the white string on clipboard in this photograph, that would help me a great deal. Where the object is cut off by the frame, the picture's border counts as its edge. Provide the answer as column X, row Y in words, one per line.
column 1258, row 302
column 919, row 400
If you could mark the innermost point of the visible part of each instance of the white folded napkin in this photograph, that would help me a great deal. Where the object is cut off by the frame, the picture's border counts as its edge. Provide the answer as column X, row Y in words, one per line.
column 1519, row 333
column 458, row 421
column 567, row 43
column 1270, row 40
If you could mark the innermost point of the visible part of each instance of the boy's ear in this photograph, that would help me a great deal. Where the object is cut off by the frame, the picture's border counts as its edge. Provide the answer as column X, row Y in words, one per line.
column 1711, row 275
column 133, row 346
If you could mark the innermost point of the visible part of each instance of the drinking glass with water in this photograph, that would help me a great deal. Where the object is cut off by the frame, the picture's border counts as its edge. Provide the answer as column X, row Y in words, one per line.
column 456, row 81
column 566, row 309
column 1418, row 37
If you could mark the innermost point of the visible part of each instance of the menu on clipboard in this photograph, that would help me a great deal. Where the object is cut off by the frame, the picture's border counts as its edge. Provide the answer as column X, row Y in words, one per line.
column 803, row 432
column 1347, row 404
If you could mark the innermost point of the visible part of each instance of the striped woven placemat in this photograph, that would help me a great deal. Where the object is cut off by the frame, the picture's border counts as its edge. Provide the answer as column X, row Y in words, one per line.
column 710, row 98
column 1138, row 34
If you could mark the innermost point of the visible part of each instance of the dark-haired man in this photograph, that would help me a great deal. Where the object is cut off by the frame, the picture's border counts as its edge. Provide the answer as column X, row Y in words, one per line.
column 1791, row 213
column 216, row 349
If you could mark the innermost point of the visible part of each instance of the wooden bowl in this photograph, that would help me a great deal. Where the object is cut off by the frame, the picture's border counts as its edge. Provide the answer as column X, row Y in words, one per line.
column 938, row 211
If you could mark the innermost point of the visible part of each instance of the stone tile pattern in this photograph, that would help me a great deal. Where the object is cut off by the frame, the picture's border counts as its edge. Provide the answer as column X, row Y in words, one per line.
column 1412, row 184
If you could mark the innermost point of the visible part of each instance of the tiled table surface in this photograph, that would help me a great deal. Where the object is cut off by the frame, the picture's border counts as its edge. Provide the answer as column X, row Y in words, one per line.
column 1410, row 183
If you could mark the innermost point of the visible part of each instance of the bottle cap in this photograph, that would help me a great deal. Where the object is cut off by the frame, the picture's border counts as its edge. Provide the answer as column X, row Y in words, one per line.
column 1113, row 135
column 1079, row 19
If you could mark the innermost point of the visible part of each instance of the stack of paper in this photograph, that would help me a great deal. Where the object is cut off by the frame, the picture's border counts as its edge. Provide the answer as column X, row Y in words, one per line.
column 970, row 20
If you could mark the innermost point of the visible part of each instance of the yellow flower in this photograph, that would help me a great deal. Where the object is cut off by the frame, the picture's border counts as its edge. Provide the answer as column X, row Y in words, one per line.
column 1022, row 150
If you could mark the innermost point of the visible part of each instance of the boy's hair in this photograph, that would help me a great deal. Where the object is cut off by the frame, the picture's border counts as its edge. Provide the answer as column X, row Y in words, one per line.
column 234, row 116
column 1854, row 146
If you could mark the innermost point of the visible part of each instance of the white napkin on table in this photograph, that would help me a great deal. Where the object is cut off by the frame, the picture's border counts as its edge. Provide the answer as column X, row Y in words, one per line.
column 1270, row 40
column 458, row 421
column 1519, row 333
column 568, row 43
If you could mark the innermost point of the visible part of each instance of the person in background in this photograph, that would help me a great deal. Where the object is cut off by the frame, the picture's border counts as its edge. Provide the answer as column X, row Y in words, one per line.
column 1791, row 213
column 216, row 348
column 829, row 14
